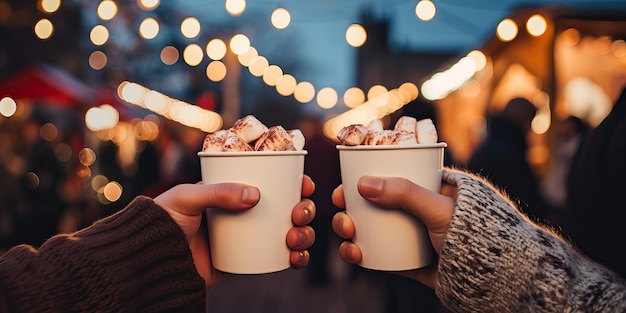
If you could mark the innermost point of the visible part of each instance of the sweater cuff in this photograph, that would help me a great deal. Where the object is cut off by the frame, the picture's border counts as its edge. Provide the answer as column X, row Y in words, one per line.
column 490, row 251
column 136, row 260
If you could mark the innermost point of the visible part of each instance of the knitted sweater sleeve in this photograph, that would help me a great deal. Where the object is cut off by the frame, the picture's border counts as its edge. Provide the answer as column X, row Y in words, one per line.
column 136, row 260
column 495, row 260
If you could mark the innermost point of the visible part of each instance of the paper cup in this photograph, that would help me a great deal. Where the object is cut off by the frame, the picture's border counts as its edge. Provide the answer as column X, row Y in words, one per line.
column 390, row 239
column 254, row 241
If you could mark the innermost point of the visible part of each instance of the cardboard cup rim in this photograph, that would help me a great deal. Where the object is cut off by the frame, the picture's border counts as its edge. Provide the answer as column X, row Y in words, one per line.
column 394, row 147
column 250, row 153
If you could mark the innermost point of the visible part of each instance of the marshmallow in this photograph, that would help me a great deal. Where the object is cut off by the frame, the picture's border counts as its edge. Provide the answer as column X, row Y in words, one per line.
column 275, row 138
column 234, row 143
column 407, row 124
column 426, row 131
column 403, row 138
column 214, row 141
column 297, row 139
column 390, row 137
column 249, row 128
column 375, row 125
column 352, row 135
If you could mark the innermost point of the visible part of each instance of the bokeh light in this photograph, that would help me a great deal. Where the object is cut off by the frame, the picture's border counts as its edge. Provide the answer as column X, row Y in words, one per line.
column 44, row 28
column 190, row 27
column 536, row 25
column 8, row 107
column 425, row 10
column 356, row 35
column 280, row 18
column 216, row 49
column 149, row 28
column 506, row 30
column 107, row 9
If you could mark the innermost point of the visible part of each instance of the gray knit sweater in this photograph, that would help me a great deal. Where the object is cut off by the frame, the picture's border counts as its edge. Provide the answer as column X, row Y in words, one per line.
column 495, row 260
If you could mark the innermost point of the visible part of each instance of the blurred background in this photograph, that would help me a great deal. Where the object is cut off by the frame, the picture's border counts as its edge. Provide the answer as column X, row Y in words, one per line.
column 101, row 101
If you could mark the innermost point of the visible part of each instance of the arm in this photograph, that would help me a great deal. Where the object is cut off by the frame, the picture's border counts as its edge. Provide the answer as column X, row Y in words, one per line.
column 136, row 260
column 494, row 259
column 491, row 258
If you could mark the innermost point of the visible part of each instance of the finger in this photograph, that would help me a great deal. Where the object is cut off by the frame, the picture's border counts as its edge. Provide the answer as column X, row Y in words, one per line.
column 192, row 199
column 308, row 186
column 300, row 238
column 343, row 226
column 338, row 197
column 434, row 209
column 304, row 212
column 350, row 252
column 299, row 259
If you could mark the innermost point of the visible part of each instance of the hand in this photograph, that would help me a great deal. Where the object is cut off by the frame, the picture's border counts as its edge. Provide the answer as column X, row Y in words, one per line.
column 434, row 209
column 186, row 203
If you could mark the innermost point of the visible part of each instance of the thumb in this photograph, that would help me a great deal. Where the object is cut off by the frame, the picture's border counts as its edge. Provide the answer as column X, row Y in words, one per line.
column 433, row 209
column 193, row 199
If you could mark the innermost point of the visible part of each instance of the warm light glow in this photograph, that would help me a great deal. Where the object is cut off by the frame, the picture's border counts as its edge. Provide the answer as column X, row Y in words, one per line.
column 190, row 27
column 44, row 29
column 258, row 65
column 48, row 132
column 216, row 71
column 507, row 30
column 286, row 85
column 411, row 89
column 99, row 35
column 176, row 110
column 169, row 55
column 101, row 117
column 353, row 97
column 8, row 107
column 112, row 191
column 97, row 60
column 216, row 49
column 305, row 92
column 479, row 58
column 280, row 18
column 107, row 9
column 49, row 6
column 356, row 35
column 272, row 74
column 248, row 56
column 425, row 10
column 375, row 91
column 149, row 28
column 327, row 98
column 193, row 54
column 536, row 25
column 86, row 156
column 148, row 5
column 235, row 7
column 239, row 44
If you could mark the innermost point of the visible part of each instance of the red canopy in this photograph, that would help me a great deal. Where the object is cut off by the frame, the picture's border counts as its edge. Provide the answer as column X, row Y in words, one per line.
column 45, row 83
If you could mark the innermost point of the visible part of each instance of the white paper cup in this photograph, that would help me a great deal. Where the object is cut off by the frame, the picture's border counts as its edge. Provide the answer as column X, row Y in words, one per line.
column 390, row 239
column 254, row 241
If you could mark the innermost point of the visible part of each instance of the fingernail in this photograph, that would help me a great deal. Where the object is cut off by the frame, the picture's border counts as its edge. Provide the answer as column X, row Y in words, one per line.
column 306, row 211
column 371, row 186
column 250, row 195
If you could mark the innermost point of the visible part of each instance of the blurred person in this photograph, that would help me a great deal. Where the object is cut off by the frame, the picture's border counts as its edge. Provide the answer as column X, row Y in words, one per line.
column 491, row 257
column 501, row 157
column 595, row 207
column 40, row 205
column 569, row 133
column 152, row 256
column 322, row 165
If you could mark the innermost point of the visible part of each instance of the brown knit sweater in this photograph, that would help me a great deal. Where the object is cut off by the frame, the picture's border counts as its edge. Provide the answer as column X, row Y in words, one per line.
column 137, row 260
column 495, row 260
